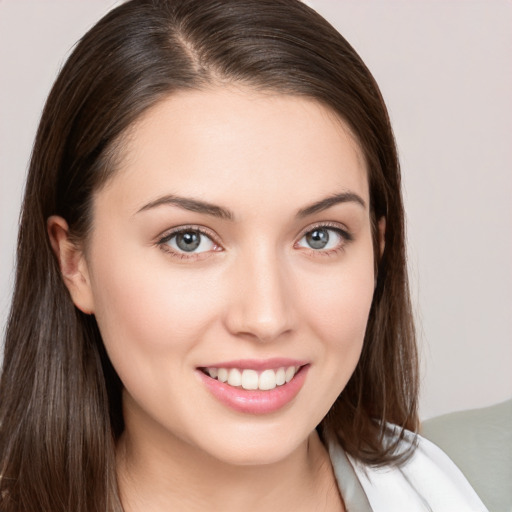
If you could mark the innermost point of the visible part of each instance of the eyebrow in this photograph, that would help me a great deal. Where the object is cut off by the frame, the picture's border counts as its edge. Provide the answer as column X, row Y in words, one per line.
column 196, row 205
column 324, row 204
column 193, row 205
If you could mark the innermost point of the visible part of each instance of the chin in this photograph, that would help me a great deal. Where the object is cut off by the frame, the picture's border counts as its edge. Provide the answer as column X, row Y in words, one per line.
column 254, row 448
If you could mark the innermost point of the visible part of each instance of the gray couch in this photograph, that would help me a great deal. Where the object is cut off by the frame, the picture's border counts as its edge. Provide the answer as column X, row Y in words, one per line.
column 479, row 441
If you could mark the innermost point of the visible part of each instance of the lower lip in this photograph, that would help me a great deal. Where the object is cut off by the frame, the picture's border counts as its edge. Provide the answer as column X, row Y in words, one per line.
column 255, row 402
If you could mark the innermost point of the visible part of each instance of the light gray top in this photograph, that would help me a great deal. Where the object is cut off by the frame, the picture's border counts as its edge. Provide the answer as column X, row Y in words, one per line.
column 479, row 441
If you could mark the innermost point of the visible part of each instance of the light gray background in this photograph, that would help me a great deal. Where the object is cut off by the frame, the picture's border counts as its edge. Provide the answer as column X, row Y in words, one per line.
column 445, row 70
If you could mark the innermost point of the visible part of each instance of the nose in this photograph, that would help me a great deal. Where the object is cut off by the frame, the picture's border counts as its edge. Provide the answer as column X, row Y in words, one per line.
column 262, row 302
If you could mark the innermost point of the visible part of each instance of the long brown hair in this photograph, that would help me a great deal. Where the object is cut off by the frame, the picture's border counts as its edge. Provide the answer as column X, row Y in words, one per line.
column 60, row 398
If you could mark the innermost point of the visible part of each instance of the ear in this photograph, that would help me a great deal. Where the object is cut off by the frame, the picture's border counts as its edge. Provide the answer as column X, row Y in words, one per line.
column 72, row 264
column 382, row 235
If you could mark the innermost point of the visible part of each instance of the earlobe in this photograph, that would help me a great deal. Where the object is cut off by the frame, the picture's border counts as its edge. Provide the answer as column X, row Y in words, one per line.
column 73, row 266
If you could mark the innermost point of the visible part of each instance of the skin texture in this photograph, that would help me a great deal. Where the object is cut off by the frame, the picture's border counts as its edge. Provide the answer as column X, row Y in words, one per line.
column 254, row 290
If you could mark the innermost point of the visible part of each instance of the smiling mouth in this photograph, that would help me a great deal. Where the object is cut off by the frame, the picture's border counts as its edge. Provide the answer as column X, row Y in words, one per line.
column 249, row 379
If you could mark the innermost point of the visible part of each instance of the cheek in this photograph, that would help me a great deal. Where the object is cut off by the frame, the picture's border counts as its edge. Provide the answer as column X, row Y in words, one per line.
column 143, row 307
column 337, row 306
column 339, row 303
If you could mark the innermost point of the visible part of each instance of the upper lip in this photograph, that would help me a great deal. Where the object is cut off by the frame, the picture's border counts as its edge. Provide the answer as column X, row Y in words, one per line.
column 258, row 364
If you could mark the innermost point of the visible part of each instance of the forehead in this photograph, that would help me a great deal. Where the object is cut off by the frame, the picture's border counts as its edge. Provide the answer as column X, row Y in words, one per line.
column 237, row 143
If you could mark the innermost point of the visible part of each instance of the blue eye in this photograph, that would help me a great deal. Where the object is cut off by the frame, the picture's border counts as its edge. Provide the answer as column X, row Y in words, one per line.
column 189, row 241
column 322, row 238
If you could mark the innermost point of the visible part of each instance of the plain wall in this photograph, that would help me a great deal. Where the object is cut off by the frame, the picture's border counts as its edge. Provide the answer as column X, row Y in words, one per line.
column 445, row 73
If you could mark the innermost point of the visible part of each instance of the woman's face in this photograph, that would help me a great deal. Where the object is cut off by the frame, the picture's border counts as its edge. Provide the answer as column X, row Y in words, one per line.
column 234, row 240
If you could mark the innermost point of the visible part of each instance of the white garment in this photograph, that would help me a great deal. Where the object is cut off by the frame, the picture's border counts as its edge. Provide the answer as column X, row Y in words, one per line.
column 428, row 482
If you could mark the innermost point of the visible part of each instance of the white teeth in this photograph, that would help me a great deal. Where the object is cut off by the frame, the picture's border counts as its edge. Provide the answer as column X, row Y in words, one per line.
column 267, row 380
column 251, row 379
column 235, row 377
column 290, row 372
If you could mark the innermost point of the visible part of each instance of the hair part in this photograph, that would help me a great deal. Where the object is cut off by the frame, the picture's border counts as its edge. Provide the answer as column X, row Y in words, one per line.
column 60, row 398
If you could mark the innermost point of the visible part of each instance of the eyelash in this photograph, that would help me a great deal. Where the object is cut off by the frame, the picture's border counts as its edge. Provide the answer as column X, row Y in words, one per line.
column 162, row 242
column 344, row 234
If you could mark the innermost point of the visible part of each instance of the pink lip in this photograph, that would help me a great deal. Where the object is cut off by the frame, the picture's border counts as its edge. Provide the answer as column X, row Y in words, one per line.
column 255, row 402
column 258, row 364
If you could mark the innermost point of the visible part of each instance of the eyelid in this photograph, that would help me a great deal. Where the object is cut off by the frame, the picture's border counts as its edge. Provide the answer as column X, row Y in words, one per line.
column 342, row 232
column 169, row 233
column 166, row 236
column 337, row 226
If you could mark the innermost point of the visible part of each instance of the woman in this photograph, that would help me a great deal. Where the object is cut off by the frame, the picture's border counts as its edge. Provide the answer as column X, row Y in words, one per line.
column 211, row 304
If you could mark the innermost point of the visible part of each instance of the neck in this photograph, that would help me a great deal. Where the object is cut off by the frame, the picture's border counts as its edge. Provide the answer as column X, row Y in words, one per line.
column 183, row 477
